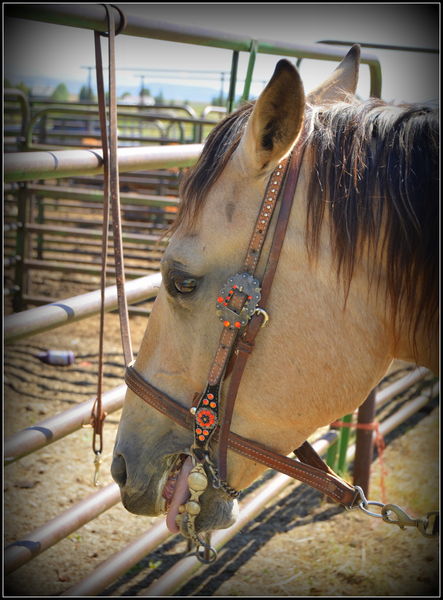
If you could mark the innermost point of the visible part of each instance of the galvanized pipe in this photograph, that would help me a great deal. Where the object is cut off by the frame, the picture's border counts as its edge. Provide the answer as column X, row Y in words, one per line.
column 91, row 195
column 399, row 386
column 119, row 563
column 28, row 166
column 20, row 552
column 58, row 426
column 43, row 318
column 93, row 16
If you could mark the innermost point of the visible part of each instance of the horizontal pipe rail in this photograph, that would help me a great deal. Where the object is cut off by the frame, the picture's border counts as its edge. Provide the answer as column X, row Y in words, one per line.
column 94, row 233
column 91, row 195
column 42, row 538
column 43, row 300
column 44, row 318
column 397, row 387
column 28, row 166
column 381, row 46
column 119, row 563
column 89, row 16
column 54, row 428
column 65, row 267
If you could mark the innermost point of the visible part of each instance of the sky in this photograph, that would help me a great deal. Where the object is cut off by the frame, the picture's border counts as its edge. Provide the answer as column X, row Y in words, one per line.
column 33, row 48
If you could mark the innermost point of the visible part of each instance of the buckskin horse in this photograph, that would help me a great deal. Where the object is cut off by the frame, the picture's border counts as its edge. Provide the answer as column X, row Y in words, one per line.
column 347, row 279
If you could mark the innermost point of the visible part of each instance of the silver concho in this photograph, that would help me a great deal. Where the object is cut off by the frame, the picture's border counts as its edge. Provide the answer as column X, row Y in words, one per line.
column 245, row 284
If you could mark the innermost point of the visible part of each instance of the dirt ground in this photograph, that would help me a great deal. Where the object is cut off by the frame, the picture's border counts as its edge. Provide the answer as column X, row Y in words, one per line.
column 326, row 554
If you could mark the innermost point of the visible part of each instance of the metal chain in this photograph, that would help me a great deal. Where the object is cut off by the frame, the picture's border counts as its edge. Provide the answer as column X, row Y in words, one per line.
column 427, row 525
column 219, row 483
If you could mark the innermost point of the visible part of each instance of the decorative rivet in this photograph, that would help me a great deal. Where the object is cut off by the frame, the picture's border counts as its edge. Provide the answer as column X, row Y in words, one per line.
column 197, row 481
column 193, row 410
column 193, row 508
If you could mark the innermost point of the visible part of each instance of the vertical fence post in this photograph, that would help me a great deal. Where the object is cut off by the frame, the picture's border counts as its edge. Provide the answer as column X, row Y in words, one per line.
column 233, row 81
column 249, row 72
column 21, row 247
column 39, row 201
column 343, row 444
column 364, row 444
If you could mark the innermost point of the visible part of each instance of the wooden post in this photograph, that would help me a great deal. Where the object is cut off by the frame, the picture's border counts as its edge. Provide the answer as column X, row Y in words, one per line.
column 364, row 447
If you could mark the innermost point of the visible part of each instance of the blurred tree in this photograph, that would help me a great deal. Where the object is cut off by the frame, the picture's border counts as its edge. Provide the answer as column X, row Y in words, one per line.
column 60, row 94
column 86, row 94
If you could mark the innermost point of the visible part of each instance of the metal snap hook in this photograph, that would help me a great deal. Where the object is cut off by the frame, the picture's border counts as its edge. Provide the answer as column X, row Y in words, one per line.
column 97, row 463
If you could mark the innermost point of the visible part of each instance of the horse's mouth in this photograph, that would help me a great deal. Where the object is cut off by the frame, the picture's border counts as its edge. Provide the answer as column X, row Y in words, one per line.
column 175, row 490
column 217, row 510
column 171, row 481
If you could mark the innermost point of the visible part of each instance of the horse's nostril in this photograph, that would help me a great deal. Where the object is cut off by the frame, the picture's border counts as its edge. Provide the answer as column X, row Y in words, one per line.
column 118, row 470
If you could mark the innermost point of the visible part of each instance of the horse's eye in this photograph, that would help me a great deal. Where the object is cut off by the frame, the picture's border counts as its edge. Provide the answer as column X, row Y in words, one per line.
column 185, row 286
column 179, row 283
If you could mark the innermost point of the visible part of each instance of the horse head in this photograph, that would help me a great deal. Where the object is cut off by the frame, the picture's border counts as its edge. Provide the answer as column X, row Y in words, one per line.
column 336, row 319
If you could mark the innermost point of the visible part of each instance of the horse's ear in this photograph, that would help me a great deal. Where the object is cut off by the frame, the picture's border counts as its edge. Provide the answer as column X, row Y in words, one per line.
column 276, row 119
column 342, row 83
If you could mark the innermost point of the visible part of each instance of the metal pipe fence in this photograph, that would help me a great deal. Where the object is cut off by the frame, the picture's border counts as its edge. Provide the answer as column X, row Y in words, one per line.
column 29, row 166
column 93, row 17
column 46, row 237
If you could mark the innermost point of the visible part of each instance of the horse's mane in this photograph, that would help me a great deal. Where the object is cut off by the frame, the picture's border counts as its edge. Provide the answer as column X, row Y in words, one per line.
column 375, row 174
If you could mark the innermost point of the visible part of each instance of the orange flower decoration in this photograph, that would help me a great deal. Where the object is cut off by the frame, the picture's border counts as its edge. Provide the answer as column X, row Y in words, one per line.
column 205, row 418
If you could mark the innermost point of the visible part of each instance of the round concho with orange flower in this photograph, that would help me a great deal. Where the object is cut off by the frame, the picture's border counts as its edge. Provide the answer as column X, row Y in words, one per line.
column 205, row 418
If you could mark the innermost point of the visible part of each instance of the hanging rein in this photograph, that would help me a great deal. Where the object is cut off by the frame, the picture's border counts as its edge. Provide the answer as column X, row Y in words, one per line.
column 241, row 306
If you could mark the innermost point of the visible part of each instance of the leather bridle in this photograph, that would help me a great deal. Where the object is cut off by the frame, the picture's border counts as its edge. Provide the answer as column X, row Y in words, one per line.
column 241, row 305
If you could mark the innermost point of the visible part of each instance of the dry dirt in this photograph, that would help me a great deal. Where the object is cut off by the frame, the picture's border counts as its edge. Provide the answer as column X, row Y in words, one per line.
column 344, row 554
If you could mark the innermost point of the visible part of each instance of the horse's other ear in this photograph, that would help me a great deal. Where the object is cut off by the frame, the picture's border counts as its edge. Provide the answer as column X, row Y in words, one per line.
column 276, row 119
column 342, row 83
